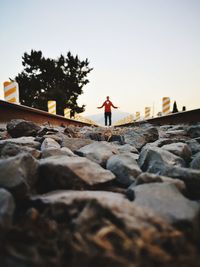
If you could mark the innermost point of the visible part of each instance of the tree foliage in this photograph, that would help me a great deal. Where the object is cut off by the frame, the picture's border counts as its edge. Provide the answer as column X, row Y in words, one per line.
column 44, row 79
column 175, row 109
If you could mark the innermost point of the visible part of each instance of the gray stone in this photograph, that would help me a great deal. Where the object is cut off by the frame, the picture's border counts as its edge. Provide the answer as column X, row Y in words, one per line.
column 98, row 152
column 180, row 149
column 195, row 163
column 56, row 137
column 64, row 151
column 3, row 135
column 194, row 131
column 96, row 136
column 18, row 128
column 18, row 174
column 22, row 141
column 154, row 156
column 167, row 202
column 11, row 150
column 138, row 137
column 62, row 172
column 197, row 139
column 127, row 148
column 125, row 168
column 7, row 207
column 189, row 176
column 104, row 228
column 176, row 134
column 75, row 143
column 47, row 131
column 117, row 138
column 179, row 127
column 72, row 131
column 49, row 143
column 194, row 145
column 146, row 177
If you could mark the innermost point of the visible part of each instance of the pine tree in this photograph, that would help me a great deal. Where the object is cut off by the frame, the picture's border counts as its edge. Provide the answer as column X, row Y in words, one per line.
column 175, row 109
column 44, row 79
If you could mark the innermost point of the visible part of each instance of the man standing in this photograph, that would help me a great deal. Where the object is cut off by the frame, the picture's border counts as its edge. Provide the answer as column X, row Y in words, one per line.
column 107, row 105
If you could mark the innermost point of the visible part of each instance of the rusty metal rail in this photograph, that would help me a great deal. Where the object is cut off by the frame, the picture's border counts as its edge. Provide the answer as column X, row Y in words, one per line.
column 189, row 117
column 9, row 111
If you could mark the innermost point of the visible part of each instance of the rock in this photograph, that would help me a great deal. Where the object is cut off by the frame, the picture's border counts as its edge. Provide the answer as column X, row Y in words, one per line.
column 164, row 141
column 98, row 152
column 175, row 134
column 167, row 202
column 127, row 148
column 56, row 137
column 70, row 131
column 11, row 150
column 139, row 137
column 154, row 156
column 47, row 131
column 194, row 131
column 64, row 151
column 146, row 177
column 124, row 167
column 21, row 141
column 3, row 135
column 7, row 207
column 180, row 149
column 117, row 138
column 194, row 145
column 190, row 177
column 195, row 163
column 96, row 136
column 49, row 143
column 103, row 227
column 18, row 128
column 18, row 174
column 197, row 139
column 62, row 172
column 75, row 143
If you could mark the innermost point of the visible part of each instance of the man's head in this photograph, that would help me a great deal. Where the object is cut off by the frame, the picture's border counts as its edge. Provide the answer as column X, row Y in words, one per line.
column 107, row 97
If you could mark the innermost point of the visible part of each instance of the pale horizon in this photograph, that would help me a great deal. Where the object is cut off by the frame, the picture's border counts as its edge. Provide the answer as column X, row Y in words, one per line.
column 141, row 51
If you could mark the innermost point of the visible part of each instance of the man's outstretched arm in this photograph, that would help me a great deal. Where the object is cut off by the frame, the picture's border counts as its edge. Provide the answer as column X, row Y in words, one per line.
column 102, row 105
column 113, row 105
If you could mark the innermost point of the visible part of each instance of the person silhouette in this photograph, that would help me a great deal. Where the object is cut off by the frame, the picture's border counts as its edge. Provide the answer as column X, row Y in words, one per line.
column 107, row 110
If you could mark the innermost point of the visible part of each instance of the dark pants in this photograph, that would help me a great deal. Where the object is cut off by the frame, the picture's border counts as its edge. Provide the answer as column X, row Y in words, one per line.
column 107, row 117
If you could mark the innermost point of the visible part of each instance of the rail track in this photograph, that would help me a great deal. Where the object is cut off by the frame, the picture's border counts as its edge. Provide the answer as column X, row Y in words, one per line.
column 190, row 117
column 9, row 111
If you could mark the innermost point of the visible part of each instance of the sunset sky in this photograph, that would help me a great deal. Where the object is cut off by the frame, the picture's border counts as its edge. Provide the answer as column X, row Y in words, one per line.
column 141, row 50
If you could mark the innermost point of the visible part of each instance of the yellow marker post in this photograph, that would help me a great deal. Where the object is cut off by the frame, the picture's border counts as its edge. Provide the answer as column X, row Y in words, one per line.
column 67, row 113
column 147, row 112
column 137, row 116
column 52, row 107
column 165, row 105
column 11, row 92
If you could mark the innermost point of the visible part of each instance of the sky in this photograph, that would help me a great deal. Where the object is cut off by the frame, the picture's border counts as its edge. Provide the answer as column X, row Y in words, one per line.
column 141, row 50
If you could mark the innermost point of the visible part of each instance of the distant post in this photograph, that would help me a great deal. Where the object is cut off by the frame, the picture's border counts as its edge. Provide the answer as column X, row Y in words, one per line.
column 11, row 92
column 52, row 106
column 165, row 105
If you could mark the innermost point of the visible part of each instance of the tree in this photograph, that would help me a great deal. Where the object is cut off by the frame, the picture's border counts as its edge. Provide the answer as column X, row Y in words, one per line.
column 46, row 79
column 175, row 109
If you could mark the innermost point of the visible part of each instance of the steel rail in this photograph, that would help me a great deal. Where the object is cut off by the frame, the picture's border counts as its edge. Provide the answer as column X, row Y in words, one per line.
column 9, row 111
column 189, row 117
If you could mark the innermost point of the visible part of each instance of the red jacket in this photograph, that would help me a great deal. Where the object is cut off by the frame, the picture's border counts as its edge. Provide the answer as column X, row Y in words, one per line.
column 108, row 104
